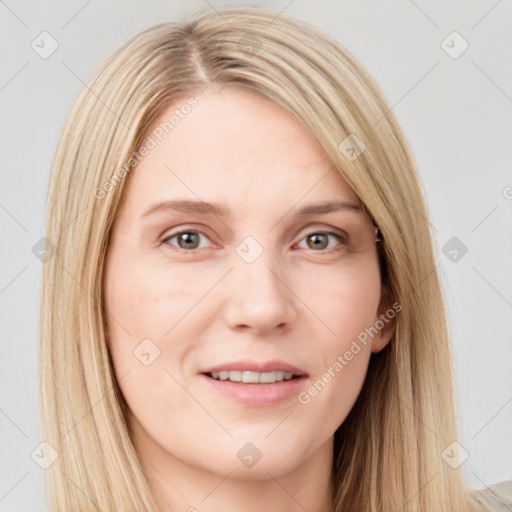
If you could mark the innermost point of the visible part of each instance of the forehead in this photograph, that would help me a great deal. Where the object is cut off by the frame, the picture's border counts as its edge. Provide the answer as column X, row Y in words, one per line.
column 234, row 142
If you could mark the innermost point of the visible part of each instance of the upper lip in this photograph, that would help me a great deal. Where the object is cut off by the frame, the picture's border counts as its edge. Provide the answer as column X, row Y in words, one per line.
column 255, row 366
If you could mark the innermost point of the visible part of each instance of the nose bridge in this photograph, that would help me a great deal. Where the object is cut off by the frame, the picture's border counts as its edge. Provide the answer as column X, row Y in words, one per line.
column 263, row 276
column 259, row 296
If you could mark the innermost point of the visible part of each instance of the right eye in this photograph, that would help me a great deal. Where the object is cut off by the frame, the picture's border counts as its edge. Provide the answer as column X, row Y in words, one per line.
column 185, row 240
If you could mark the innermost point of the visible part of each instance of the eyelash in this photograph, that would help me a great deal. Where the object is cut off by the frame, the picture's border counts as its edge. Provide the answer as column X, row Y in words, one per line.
column 341, row 238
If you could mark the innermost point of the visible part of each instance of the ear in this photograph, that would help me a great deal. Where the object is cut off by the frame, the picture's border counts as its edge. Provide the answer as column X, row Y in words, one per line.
column 385, row 322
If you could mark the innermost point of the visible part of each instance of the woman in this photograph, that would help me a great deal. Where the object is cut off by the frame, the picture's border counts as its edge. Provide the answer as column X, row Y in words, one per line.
column 244, row 310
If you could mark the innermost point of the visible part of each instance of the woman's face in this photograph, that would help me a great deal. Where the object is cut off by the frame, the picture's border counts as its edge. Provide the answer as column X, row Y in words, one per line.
column 268, row 278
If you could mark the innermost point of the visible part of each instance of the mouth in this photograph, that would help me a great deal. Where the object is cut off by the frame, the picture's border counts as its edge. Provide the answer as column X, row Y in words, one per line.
column 251, row 377
column 255, row 389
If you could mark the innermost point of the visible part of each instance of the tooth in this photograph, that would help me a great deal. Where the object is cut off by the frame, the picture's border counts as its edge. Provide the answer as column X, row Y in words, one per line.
column 268, row 377
column 250, row 377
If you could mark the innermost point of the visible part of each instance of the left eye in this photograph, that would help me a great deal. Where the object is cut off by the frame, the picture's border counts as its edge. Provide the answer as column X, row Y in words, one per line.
column 191, row 239
column 319, row 240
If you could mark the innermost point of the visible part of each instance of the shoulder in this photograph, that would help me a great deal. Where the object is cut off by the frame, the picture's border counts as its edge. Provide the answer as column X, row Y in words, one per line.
column 496, row 497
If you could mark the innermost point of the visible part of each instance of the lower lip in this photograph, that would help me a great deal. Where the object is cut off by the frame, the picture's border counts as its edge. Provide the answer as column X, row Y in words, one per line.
column 257, row 394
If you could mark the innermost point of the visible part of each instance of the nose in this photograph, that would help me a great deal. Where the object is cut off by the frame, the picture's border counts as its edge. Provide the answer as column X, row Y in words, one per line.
column 259, row 297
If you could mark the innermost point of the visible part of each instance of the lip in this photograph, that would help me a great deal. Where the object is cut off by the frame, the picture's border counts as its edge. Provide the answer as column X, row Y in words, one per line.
column 255, row 366
column 257, row 395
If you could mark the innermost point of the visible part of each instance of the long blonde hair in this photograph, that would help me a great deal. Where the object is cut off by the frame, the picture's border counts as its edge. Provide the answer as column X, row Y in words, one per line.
column 388, row 450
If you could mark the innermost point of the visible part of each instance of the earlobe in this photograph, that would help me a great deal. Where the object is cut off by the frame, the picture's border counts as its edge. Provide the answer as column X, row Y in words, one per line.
column 381, row 340
column 385, row 323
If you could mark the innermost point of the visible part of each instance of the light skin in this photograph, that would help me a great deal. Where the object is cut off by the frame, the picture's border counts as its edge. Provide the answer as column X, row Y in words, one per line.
column 303, row 300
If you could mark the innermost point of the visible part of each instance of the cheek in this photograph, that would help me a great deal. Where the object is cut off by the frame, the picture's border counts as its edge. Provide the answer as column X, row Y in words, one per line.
column 346, row 301
column 344, row 297
column 332, row 394
column 141, row 307
column 145, row 303
column 343, row 357
column 152, row 314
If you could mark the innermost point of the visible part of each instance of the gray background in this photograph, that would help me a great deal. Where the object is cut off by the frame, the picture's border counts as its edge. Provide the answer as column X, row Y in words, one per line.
column 456, row 113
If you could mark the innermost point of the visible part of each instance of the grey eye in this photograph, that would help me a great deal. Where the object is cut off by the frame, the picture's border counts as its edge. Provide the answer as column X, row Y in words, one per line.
column 320, row 240
column 185, row 240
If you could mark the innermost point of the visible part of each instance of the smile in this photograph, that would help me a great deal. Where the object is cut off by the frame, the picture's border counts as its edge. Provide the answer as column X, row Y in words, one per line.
column 249, row 377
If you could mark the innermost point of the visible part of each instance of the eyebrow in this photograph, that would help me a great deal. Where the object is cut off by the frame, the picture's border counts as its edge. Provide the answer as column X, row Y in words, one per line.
column 216, row 209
